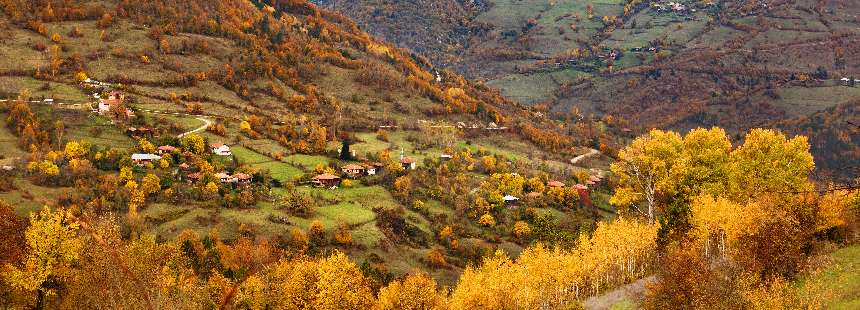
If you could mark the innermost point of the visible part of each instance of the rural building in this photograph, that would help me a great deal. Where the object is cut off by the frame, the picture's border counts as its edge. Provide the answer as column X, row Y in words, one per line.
column 165, row 149
column 326, row 180
column 224, row 177
column 353, row 170
column 584, row 195
column 193, row 177
column 114, row 98
column 445, row 157
column 243, row 179
column 555, row 183
column 408, row 163
column 142, row 131
column 143, row 159
column 511, row 201
column 220, row 149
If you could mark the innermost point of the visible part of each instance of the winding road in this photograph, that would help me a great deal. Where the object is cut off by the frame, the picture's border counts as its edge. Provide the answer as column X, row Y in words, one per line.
column 590, row 153
column 206, row 122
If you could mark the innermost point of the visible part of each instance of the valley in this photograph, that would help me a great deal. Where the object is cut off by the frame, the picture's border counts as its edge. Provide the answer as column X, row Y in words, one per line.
column 481, row 154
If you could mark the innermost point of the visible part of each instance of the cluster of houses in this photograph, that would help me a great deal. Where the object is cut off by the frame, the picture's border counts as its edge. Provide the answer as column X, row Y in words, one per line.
column 143, row 131
column 850, row 81
column 240, row 179
column 142, row 159
column 676, row 7
column 581, row 189
column 114, row 99
column 355, row 171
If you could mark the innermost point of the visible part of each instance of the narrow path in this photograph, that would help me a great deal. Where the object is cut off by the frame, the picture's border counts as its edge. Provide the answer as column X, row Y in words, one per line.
column 590, row 153
column 630, row 294
column 206, row 124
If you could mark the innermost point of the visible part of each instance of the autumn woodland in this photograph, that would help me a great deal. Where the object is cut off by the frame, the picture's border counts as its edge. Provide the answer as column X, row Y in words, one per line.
column 333, row 154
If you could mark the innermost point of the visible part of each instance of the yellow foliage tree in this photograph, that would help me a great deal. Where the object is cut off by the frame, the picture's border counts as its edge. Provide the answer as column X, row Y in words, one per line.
column 417, row 292
column 53, row 248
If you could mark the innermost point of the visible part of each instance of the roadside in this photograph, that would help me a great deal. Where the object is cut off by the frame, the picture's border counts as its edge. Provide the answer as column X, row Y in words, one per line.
column 625, row 297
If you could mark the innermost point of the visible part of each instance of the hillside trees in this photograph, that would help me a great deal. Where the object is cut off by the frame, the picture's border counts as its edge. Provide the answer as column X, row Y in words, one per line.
column 53, row 248
column 552, row 278
column 644, row 169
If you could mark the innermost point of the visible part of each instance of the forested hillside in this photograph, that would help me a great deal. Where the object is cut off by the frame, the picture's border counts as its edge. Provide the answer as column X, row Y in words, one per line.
column 244, row 154
column 659, row 64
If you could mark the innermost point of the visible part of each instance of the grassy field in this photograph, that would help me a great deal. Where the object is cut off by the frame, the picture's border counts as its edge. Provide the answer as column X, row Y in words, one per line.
column 30, row 197
column 58, row 91
column 9, row 145
column 839, row 280
column 807, row 100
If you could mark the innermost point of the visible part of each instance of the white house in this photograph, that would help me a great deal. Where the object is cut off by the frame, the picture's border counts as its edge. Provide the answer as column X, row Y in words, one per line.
column 220, row 149
column 511, row 200
column 141, row 159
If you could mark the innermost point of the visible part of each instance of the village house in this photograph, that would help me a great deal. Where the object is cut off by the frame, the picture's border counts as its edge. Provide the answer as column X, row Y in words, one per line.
column 555, row 183
column 353, row 170
column 445, row 157
column 408, row 163
column 165, row 149
column 511, row 201
column 220, row 149
column 224, row 177
column 143, row 159
column 142, row 131
column 326, row 180
column 594, row 180
column 242, row 179
column 374, row 168
column 193, row 177
column 584, row 195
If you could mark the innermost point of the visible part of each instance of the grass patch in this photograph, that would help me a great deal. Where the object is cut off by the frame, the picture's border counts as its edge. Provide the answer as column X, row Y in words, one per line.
column 247, row 156
column 9, row 145
column 306, row 162
column 839, row 280
column 280, row 171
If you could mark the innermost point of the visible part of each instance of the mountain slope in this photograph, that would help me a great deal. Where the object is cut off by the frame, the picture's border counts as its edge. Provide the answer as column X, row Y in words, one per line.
column 735, row 64
column 288, row 87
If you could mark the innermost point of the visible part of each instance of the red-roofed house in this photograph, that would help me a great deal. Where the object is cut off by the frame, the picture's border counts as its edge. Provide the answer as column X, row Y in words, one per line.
column 220, row 149
column 555, row 183
column 243, row 179
column 326, row 180
column 353, row 170
column 166, row 149
column 408, row 163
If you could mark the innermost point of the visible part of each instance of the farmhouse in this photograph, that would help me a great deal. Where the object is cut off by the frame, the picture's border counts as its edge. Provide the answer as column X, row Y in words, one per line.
column 408, row 163
column 224, row 177
column 114, row 99
column 142, row 131
column 445, row 157
column 193, row 177
column 511, row 201
column 555, row 183
column 164, row 149
column 220, row 149
column 353, row 170
column 326, row 180
column 143, row 159
column 243, row 179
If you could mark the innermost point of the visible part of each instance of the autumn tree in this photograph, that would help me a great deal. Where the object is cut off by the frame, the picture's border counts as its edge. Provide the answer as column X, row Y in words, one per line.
column 416, row 291
column 53, row 248
column 644, row 169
